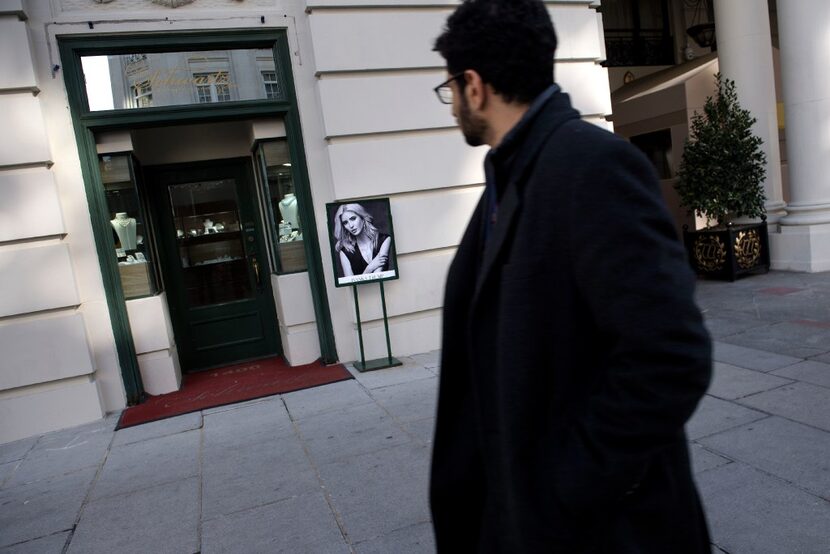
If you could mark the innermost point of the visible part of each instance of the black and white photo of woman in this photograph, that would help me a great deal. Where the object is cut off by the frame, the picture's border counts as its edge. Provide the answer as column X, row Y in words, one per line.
column 362, row 249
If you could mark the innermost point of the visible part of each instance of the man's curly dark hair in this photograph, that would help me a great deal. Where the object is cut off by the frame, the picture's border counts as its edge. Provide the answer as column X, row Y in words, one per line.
column 510, row 43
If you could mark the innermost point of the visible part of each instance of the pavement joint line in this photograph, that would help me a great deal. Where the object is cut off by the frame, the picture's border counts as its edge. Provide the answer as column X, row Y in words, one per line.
column 410, row 526
column 11, row 473
column 145, row 488
column 790, row 379
column 4, row 546
column 775, row 477
column 765, row 416
column 201, row 480
column 338, row 519
column 199, row 427
column 252, row 508
column 768, row 414
column 89, row 490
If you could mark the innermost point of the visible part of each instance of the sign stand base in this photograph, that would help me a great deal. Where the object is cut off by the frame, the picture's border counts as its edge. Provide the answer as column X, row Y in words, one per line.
column 381, row 363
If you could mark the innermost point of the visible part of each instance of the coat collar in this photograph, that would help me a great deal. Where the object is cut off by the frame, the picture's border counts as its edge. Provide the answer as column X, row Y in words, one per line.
column 555, row 111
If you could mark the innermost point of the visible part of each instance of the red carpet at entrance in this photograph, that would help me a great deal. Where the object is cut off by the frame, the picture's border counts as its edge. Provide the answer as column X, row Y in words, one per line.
column 235, row 383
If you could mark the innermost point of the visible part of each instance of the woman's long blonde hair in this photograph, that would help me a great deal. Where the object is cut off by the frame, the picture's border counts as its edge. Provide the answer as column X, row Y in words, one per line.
column 345, row 240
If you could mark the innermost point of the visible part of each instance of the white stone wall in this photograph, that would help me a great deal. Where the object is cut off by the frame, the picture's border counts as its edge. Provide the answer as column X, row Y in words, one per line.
column 387, row 135
column 47, row 371
column 364, row 72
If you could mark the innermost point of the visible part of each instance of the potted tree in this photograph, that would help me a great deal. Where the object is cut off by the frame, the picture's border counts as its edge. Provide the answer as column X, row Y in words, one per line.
column 720, row 178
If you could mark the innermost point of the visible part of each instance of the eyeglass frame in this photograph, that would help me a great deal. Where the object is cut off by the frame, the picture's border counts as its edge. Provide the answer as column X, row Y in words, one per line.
column 446, row 85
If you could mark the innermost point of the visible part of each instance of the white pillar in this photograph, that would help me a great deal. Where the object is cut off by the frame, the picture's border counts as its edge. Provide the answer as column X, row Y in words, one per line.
column 804, row 32
column 745, row 56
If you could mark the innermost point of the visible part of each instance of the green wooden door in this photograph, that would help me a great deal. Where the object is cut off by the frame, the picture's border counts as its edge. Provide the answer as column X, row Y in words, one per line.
column 214, row 263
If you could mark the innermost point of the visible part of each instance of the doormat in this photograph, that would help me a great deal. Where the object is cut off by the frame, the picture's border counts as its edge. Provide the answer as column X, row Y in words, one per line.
column 232, row 384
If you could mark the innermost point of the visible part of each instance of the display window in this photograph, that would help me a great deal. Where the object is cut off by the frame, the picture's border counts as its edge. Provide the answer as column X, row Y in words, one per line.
column 128, row 221
column 281, row 204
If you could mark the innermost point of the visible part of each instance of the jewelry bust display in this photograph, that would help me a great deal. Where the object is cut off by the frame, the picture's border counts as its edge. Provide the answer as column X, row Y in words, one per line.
column 288, row 210
column 124, row 227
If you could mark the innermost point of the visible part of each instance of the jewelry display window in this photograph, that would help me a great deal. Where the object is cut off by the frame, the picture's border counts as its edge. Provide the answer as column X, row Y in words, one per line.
column 129, row 226
column 286, row 231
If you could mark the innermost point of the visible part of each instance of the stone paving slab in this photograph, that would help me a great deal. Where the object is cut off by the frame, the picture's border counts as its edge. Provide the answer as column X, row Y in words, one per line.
column 64, row 452
column 789, row 450
column 788, row 338
column 409, row 401
column 415, row 539
column 298, row 524
column 720, row 327
column 824, row 358
column 380, row 492
column 714, row 415
column 809, row 371
column 350, row 432
column 6, row 471
column 330, row 398
column 236, row 405
column 731, row 382
column 751, row 358
column 34, row 510
column 156, row 429
column 750, row 512
column 802, row 402
column 17, row 450
column 148, row 463
column 235, row 479
column 52, row 544
column 163, row 518
column 422, row 430
column 704, row 460
column 406, row 373
column 252, row 423
column 428, row 360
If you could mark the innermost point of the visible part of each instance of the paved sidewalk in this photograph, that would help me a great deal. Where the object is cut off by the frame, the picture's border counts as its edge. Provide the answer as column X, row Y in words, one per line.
column 344, row 467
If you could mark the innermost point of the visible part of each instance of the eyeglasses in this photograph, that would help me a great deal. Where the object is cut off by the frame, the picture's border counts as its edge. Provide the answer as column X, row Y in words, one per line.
column 444, row 90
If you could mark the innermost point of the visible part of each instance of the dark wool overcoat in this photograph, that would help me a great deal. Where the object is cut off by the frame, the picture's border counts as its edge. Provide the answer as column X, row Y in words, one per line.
column 573, row 355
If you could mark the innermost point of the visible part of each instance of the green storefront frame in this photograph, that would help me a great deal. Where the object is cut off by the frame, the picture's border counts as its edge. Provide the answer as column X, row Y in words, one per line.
column 86, row 123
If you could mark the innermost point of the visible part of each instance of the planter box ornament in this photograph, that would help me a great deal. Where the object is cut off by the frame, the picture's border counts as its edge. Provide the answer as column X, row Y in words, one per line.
column 730, row 252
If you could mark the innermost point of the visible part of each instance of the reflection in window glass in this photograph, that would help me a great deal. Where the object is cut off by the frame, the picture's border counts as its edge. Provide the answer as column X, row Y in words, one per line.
column 272, row 87
column 128, row 221
column 142, row 80
column 287, row 229
column 212, row 87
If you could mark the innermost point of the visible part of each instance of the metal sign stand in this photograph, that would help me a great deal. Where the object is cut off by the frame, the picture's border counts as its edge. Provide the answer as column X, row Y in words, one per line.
column 380, row 363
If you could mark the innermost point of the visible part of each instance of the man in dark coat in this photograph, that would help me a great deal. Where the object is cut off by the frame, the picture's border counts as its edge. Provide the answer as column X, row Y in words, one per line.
column 573, row 352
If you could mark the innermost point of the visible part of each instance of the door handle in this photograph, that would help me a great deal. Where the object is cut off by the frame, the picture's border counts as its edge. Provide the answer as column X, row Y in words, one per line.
column 255, row 264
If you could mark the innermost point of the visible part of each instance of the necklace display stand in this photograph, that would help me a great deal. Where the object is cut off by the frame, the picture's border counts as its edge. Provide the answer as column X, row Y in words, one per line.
column 381, row 363
column 288, row 210
column 125, row 229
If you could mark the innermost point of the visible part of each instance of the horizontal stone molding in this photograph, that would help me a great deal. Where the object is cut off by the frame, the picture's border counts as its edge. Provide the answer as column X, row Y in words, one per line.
column 380, row 165
column 43, row 350
column 29, row 205
column 432, row 220
column 24, row 141
column 359, row 40
column 36, row 279
column 41, row 410
column 17, row 70
column 381, row 103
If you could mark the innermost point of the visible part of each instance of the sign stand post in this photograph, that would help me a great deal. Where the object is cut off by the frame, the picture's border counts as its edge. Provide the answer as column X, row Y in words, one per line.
column 380, row 363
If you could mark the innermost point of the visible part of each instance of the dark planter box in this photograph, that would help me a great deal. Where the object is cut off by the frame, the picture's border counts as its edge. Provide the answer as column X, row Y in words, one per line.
column 728, row 252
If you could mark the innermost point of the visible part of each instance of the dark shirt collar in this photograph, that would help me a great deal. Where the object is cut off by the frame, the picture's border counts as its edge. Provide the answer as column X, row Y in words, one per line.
column 512, row 137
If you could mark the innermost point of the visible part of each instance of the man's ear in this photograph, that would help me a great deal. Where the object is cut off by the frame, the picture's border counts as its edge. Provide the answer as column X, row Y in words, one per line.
column 475, row 90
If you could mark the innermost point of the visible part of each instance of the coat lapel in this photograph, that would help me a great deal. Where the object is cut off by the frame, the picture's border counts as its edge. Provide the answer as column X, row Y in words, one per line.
column 556, row 112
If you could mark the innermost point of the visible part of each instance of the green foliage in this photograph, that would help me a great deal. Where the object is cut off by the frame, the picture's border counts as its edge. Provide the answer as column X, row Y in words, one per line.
column 723, row 166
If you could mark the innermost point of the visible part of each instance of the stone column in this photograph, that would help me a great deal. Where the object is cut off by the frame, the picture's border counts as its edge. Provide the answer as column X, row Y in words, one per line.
column 804, row 32
column 745, row 56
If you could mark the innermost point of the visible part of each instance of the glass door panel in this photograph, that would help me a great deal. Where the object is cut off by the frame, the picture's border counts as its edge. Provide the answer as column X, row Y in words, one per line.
column 210, row 242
